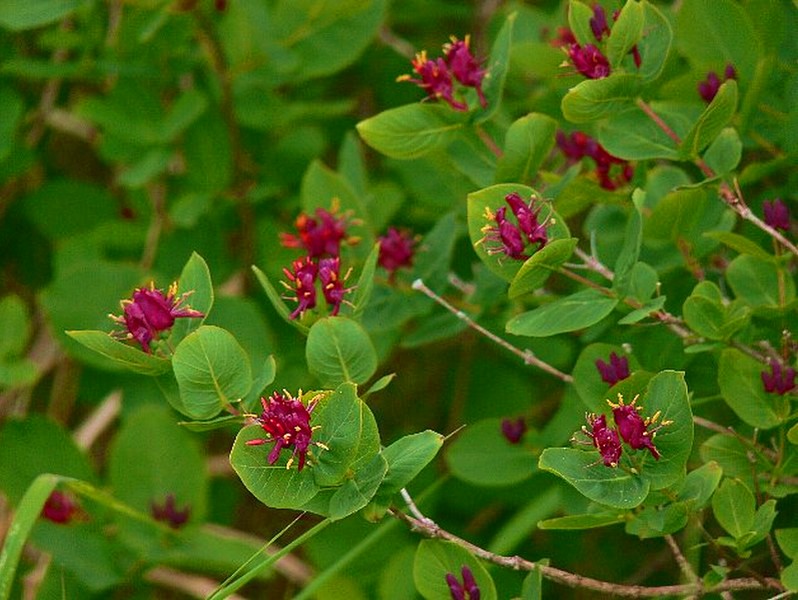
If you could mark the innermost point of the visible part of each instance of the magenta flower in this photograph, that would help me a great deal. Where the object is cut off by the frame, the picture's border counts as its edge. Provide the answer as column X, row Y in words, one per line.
column 396, row 250
column 564, row 37
column 150, row 311
column 589, row 61
column 527, row 217
column 633, row 428
column 513, row 430
column 614, row 371
column 59, row 508
column 777, row 215
column 611, row 171
column 605, row 439
column 286, row 422
column 320, row 236
column 303, row 285
column 708, row 88
column 598, row 22
column 168, row 513
column 468, row 590
column 435, row 79
column 778, row 381
column 332, row 285
column 505, row 237
column 464, row 66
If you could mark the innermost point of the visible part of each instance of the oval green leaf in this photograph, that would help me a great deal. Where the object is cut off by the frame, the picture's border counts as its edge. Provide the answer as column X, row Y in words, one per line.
column 129, row 357
column 537, row 269
column 435, row 559
column 573, row 312
column 596, row 99
column 340, row 350
column 740, row 381
column 527, row 143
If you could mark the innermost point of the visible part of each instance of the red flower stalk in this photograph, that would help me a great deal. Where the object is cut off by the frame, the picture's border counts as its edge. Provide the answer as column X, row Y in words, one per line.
column 303, row 285
column 59, row 508
column 464, row 66
column 435, row 79
column 168, row 513
column 633, row 428
column 332, row 285
column 778, row 381
column 396, row 250
column 777, row 215
column 150, row 311
column 320, row 236
column 286, row 422
column 589, row 61
column 468, row 590
column 614, row 371
column 513, row 431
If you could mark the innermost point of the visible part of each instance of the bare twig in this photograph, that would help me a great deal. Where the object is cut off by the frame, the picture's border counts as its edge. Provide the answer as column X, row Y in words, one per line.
column 400, row 45
column 526, row 355
column 681, row 560
column 191, row 585
column 98, row 421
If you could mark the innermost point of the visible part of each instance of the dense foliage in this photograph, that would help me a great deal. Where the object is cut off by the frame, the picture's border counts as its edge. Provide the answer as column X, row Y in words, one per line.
column 360, row 299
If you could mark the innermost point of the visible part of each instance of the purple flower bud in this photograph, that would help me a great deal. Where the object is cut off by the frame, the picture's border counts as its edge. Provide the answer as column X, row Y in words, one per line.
column 617, row 369
column 605, row 439
column 59, row 508
column 633, row 428
column 455, row 587
column 778, row 381
column 589, row 61
column 286, row 422
column 513, row 431
column 527, row 217
column 150, row 311
column 469, row 583
column 302, row 278
column 332, row 285
column 777, row 215
column 464, row 66
column 396, row 250
column 598, row 23
column 708, row 88
column 168, row 512
column 729, row 72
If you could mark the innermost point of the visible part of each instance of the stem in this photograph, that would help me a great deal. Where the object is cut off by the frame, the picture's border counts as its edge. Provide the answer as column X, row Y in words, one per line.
column 594, row 264
column 574, row 580
column 526, row 355
column 489, row 142
column 681, row 560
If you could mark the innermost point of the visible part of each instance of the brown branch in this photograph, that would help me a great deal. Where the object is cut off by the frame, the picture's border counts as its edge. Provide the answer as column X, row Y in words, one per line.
column 574, row 580
column 685, row 566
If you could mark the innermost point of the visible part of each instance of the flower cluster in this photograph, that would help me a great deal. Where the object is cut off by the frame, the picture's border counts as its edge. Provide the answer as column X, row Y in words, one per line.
column 588, row 59
column 151, row 312
column 513, row 430
column 286, row 422
column 468, row 590
column 59, row 508
column 168, row 513
column 777, row 215
column 611, row 171
column 397, row 247
column 614, row 371
column 780, row 380
column 437, row 77
column 708, row 88
column 320, row 238
column 510, row 239
column 637, row 432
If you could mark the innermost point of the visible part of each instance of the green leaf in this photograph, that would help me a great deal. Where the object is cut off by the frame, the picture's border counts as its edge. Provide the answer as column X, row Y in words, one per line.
column 757, row 282
column 481, row 455
column 489, row 200
column 532, row 588
column 656, row 521
column 18, row 15
column 592, row 390
column 792, row 434
column 152, row 457
column 788, row 541
column 321, row 186
column 626, row 32
column 656, row 42
column 738, row 242
column 208, row 154
column 497, row 67
column 339, row 416
column 595, row 99
column 724, row 153
column 13, row 110
column 129, row 357
column 195, row 282
column 712, row 121
column 740, row 381
column 577, row 311
column 700, row 484
column 734, row 507
column 412, row 130
column 630, row 251
column 211, row 424
column 586, row 521
column 274, row 485
column 406, row 457
column 644, row 311
column 212, row 371
column 632, row 135
column 356, row 493
column 277, row 301
column 579, row 15
column 339, row 350
column 435, row 559
column 365, row 283
column 706, row 314
column 604, row 485
column 183, row 112
column 527, row 144
column 15, row 325
column 537, row 269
